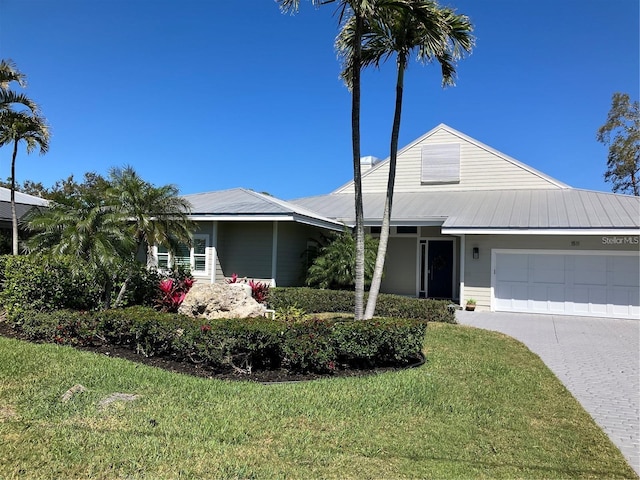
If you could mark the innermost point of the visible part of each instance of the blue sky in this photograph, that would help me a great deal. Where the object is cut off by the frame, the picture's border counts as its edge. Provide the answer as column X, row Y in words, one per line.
column 210, row 95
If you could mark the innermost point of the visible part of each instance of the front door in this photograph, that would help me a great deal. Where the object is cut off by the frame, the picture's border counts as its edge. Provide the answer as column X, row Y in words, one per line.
column 436, row 269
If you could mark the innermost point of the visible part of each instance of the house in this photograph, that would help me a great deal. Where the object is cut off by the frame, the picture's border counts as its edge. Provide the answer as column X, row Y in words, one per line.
column 24, row 203
column 250, row 234
column 467, row 222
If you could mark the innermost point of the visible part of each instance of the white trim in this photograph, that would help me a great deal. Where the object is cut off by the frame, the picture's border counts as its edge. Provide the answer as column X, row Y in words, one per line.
column 453, row 241
column 328, row 224
column 214, row 250
column 274, row 251
column 529, row 251
column 538, row 231
column 192, row 254
column 243, row 218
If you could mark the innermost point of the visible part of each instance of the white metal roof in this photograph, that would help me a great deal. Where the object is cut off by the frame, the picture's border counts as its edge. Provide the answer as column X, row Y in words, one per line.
column 495, row 210
column 240, row 204
column 5, row 196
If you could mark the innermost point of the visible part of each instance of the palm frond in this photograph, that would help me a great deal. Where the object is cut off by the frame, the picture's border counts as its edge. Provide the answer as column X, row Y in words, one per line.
column 9, row 73
column 25, row 127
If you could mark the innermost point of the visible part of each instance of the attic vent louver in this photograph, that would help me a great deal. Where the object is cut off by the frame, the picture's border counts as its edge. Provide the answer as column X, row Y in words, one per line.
column 441, row 163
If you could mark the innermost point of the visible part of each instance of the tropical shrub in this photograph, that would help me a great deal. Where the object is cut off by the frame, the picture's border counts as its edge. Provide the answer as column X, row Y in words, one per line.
column 173, row 290
column 334, row 264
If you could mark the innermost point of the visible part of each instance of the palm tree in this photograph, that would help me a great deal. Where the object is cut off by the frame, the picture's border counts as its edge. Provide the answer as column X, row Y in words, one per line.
column 8, row 74
column 155, row 215
column 16, row 127
column 358, row 12
column 84, row 228
column 433, row 33
column 333, row 267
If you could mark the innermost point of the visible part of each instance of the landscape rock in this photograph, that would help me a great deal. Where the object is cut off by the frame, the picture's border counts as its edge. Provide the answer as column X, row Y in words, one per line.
column 118, row 397
column 221, row 300
column 77, row 388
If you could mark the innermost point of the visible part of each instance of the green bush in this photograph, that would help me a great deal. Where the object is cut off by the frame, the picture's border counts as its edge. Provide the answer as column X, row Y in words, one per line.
column 383, row 341
column 244, row 344
column 312, row 300
column 308, row 346
column 311, row 345
column 3, row 262
column 142, row 286
column 40, row 282
column 47, row 283
column 64, row 327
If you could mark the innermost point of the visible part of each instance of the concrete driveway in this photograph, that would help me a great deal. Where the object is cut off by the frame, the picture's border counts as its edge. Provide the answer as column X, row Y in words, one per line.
column 597, row 359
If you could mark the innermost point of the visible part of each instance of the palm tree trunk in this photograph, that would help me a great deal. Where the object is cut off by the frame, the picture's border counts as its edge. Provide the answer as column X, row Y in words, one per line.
column 14, row 216
column 151, row 259
column 122, row 291
column 357, row 177
column 386, row 217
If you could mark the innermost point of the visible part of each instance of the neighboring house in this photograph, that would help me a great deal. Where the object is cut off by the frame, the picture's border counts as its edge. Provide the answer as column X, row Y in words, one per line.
column 24, row 203
column 468, row 222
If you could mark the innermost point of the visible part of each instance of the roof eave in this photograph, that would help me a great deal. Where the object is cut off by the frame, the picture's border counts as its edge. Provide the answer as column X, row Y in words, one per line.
column 259, row 217
column 539, row 231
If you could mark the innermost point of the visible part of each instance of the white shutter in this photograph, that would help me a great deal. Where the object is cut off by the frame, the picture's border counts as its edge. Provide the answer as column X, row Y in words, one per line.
column 441, row 163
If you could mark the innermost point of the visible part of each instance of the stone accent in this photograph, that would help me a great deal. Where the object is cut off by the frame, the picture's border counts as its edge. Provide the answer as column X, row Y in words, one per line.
column 221, row 300
column 118, row 397
column 77, row 388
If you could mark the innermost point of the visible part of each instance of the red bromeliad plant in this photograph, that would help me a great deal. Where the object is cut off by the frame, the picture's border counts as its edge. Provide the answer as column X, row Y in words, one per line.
column 173, row 292
column 259, row 290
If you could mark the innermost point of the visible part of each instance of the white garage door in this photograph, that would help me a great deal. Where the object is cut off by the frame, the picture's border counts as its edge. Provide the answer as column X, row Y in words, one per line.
column 584, row 284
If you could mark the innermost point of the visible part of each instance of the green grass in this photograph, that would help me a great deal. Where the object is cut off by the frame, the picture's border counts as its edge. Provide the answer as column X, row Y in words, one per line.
column 483, row 406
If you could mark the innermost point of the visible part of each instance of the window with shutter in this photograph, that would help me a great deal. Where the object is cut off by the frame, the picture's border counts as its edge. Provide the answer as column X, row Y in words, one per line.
column 441, row 163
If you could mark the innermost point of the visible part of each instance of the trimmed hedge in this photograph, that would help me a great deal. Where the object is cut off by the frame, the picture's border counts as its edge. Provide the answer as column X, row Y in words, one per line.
column 312, row 300
column 314, row 345
column 47, row 283
column 41, row 282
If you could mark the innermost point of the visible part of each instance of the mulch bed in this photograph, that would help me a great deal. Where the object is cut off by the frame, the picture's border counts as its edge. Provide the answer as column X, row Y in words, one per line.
column 188, row 368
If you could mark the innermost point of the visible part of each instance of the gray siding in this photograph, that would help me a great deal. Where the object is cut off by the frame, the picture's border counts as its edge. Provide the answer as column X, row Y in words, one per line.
column 400, row 267
column 245, row 248
column 292, row 244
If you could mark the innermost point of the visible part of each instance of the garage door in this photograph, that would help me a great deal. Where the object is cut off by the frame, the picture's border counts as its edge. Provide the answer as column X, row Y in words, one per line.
column 593, row 284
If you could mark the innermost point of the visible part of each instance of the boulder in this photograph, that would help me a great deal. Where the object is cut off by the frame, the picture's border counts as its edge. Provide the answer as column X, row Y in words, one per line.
column 221, row 300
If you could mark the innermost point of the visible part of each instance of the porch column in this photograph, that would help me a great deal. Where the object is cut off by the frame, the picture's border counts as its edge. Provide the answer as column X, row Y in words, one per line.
column 274, row 253
column 214, row 250
column 462, row 250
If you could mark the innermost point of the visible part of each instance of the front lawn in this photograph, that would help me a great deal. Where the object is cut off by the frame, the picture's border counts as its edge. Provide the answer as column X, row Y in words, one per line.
column 482, row 406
